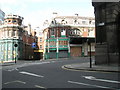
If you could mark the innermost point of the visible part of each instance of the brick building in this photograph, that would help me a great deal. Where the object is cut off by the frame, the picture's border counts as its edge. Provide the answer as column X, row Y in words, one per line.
column 13, row 33
column 66, row 36
column 40, row 43
column 107, row 17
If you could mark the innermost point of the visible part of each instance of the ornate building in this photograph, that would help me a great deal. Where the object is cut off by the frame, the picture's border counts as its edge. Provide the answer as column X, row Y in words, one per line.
column 107, row 17
column 15, row 42
column 2, row 14
column 66, row 36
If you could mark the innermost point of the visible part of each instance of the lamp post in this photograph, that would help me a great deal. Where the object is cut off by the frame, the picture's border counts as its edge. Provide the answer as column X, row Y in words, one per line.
column 89, row 43
column 15, row 45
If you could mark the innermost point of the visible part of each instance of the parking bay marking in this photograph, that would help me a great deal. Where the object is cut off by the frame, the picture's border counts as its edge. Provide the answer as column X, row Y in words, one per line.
column 93, row 78
column 32, row 74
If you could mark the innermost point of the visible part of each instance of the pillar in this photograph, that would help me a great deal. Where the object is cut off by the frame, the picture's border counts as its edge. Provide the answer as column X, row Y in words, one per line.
column 68, row 48
column 57, row 49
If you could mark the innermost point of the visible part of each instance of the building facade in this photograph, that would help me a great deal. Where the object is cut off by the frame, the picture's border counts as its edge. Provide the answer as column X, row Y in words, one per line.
column 107, row 17
column 2, row 14
column 67, row 36
column 40, row 43
column 15, row 42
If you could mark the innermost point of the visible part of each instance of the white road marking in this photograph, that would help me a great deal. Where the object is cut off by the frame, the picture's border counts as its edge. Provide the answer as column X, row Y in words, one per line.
column 73, row 82
column 39, row 86
column 13, row 69
column 15, row 81
column 32, row 74
column 93, row 78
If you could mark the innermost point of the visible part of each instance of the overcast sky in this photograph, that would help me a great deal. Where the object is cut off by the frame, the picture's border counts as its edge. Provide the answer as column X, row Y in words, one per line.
column 36, row 11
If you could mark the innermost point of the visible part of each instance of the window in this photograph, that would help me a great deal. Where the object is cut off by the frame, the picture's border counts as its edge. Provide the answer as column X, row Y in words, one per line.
column 90, row 22
column 52, row 32
column 2, row 47
column 40, row 39
column 63, row 32
column 93, row 23
column 78, row 32
column 5, row 21
column 13, row 33
column 9, row 46
column 9, row 21
column 83, row 22
column 40, row 46
column 14, row 21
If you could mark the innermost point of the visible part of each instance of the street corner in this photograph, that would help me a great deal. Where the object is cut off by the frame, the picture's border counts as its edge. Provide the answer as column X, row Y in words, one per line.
column 77, row 67
column 70, row 67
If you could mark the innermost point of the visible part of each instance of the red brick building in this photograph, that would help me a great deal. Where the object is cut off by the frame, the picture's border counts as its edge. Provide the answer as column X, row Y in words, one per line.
column 67, row 36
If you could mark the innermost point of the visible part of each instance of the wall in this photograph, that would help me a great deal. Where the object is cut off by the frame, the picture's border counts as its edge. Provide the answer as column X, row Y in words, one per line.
column 107, row 48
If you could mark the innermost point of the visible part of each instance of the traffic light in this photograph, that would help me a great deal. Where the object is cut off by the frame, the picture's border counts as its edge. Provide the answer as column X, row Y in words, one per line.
column 15, row 45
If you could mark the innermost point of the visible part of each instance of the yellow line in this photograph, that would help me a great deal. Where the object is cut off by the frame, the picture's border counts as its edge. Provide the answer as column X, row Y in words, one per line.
column 82, row 70
column 40, row 86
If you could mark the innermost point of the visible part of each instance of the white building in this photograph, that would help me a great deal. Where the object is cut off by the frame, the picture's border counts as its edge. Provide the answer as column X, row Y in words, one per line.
column 2, row 14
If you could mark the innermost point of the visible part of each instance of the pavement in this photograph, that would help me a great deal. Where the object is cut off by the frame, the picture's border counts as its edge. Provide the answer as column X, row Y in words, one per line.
column 17, row 62
column 86, row 67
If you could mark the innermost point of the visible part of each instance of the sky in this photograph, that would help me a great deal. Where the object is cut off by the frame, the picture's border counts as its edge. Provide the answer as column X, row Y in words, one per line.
column 35, row 12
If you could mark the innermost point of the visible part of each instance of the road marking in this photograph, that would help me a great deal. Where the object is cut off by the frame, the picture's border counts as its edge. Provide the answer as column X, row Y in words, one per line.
column 89, row 85
column 15, row 81
column 38, row 86
column 93, row 78
column 13, row 69
column 32, row 74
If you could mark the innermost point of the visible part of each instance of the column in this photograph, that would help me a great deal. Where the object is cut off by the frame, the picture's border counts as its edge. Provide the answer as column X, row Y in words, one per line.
column 57, row 48
column 48, row 49
column 85, row 49
column 68, row 48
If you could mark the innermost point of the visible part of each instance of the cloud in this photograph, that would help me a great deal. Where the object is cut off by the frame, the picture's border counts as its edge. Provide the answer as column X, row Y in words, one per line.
column 37, row 11
column 36, row 18
column 8, row 1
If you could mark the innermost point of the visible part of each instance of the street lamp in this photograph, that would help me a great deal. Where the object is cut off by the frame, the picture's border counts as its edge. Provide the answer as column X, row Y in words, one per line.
column 89, row 43
column 15, row 45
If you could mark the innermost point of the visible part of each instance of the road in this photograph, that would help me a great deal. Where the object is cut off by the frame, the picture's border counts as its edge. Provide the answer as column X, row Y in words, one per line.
column 50, row 74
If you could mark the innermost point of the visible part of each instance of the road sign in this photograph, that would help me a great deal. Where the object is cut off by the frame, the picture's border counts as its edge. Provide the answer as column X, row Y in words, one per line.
column 33, row 45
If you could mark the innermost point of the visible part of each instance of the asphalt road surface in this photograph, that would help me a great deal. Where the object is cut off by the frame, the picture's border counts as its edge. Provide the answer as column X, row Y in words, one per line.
column 50, row 74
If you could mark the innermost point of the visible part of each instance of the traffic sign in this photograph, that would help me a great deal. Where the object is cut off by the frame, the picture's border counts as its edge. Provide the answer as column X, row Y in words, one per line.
column 33, row 45
column 15, row 45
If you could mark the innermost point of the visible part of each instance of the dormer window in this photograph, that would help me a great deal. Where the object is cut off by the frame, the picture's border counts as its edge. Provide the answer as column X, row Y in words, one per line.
column 14, row 21
column 90, row 22
column 9, row 21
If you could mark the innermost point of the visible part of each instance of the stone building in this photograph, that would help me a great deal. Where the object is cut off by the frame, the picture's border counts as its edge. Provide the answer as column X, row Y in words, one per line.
column 2, row 14
column 15, row 42
column 107, row 18
column 66, row 36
